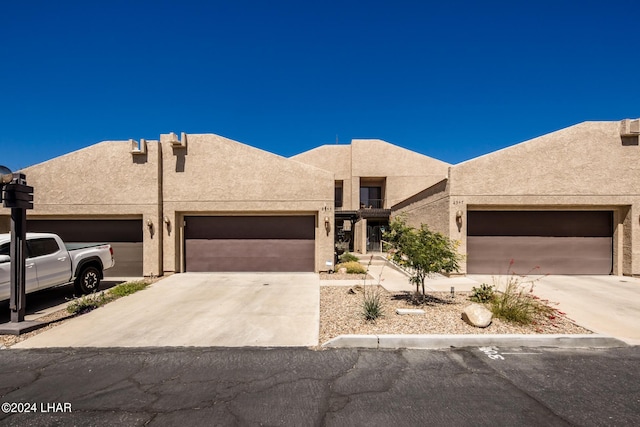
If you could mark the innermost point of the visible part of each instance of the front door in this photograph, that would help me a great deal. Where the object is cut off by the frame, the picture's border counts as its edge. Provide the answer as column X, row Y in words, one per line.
column 375, row 229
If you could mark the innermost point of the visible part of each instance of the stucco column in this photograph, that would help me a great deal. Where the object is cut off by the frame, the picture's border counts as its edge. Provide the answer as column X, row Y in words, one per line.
column 360, row 236
column 458, row 230
column 631, row 235
column 152, row 244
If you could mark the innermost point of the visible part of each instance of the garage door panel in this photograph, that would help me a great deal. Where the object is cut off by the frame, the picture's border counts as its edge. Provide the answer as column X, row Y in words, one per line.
column 90, row 230
column 552, row 255
column 250, row 255
column 559, row 242
column 250, row 243
column 128, row 257
column 124, row 235
column 250, row 227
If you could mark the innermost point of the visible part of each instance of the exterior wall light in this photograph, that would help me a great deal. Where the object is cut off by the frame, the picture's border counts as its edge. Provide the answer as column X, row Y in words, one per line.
column 167, row 222
column 459, row 219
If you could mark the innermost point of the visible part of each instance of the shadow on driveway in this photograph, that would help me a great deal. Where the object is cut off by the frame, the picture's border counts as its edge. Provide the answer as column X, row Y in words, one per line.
column 49, row 300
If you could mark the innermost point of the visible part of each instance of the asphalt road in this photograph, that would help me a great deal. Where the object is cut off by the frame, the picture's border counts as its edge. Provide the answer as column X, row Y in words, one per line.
column 301, row 387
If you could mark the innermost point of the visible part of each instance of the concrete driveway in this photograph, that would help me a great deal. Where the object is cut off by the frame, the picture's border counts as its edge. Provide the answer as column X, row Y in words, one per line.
column 201, row 309
column 608, row 305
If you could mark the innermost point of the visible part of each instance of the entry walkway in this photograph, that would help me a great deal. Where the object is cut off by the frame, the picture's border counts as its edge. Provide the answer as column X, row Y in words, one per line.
column 200, row 309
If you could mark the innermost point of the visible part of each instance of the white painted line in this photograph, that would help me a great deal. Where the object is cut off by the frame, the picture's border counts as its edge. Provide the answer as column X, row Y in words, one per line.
column 520, row 353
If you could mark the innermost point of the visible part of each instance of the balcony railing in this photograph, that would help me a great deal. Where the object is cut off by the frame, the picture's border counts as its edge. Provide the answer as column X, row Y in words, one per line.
column 372, row 204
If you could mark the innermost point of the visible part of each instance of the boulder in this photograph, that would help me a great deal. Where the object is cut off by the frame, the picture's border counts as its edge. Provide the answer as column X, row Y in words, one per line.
column 477, row 315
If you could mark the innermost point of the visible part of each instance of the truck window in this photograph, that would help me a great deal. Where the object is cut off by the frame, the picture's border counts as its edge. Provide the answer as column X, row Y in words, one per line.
column 40, row 247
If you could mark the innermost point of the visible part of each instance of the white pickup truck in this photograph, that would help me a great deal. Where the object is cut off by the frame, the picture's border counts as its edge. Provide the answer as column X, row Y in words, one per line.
column 51, row 263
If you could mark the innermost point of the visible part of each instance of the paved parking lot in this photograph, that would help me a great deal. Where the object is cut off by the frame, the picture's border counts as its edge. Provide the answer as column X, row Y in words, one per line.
column 201, row 309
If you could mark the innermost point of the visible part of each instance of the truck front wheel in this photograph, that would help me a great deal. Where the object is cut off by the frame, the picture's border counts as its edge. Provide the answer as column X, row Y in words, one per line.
column 88, row 281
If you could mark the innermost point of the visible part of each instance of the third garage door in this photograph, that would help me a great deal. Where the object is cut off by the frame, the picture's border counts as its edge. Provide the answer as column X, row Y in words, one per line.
column 557, row 242
column 249, row 243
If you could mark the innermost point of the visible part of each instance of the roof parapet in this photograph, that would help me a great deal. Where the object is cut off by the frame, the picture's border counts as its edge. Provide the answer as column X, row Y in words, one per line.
column 178, row 143
column 629, row 127
column 138, row 148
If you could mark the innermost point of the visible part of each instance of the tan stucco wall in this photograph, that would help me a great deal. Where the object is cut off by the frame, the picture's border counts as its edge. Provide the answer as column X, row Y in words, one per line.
column 585, row 166
column 101, row 181
column 212, row 176
column 360, row 236
column 431, row 208
column 336, row 159
column 405, row 172
column 218, row 176
column 583, row 160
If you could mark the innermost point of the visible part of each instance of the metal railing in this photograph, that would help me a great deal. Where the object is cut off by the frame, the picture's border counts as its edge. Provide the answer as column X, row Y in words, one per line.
column 372, row 204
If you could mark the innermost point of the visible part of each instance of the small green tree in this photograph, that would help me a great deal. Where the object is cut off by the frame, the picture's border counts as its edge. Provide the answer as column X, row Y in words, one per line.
column 423, row 250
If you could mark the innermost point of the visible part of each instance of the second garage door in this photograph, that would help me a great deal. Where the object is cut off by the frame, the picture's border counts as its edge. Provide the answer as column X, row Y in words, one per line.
column 124, row 235
column 249, row 243
column 540, row 242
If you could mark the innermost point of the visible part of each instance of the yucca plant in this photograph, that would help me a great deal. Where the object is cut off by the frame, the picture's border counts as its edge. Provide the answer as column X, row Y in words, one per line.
column 372, row 307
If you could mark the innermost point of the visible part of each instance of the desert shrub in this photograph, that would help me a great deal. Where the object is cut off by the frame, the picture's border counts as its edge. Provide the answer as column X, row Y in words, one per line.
column 484, row 293
column 128, row 288
column 421, row 250
column 353, row 267
column 372, row 307
column 348, row 257
column 92, row 301
column 86, row 303
column 517, row 304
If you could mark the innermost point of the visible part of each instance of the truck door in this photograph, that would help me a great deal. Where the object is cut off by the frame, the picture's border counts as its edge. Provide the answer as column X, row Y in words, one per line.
column 52, row 262
column 31, row 277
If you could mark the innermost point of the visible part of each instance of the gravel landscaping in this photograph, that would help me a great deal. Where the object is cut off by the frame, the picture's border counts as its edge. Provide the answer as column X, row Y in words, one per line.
column 341, row 314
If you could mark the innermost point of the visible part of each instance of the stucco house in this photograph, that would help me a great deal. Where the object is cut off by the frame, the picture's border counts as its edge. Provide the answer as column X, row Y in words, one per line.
column 566, row 202
column 370, row 177
column 194, row 203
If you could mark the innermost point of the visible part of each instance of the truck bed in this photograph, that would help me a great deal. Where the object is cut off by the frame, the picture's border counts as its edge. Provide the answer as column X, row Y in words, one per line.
column 76, row 246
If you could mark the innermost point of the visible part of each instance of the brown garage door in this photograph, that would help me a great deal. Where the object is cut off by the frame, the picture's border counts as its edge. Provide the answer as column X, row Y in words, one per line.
column 250, row 243
column 125, row 236
column 540, row 242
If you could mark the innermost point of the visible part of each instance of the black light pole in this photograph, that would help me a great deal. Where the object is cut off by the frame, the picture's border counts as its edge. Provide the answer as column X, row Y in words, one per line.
column 17, row 195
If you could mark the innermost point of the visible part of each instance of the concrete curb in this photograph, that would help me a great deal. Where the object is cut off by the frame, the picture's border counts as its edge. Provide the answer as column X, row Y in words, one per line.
column 448, row 341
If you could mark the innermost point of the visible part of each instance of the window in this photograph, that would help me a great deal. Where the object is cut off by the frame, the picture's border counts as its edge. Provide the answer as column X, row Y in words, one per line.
column 371, row 197
column 41, row 247
column 338, row 195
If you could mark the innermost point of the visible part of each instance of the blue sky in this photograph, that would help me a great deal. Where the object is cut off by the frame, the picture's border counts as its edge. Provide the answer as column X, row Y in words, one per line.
column 452, row 80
